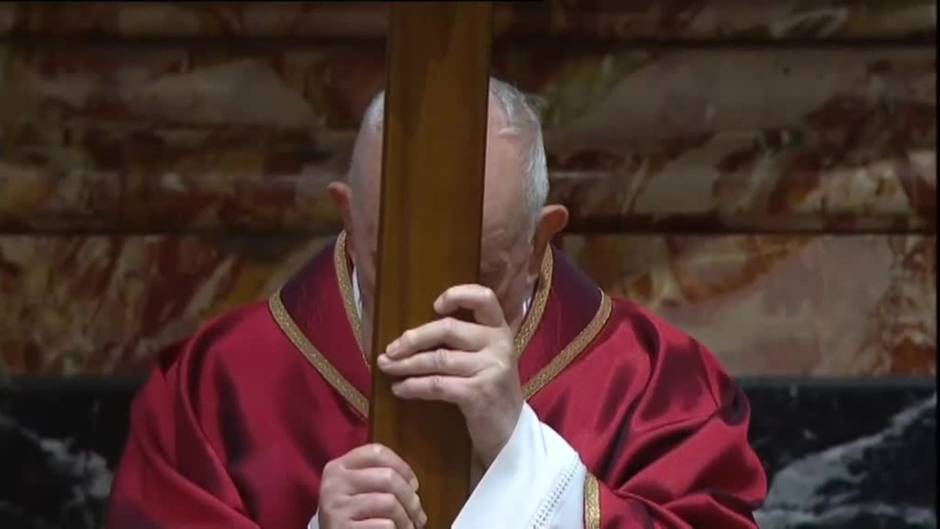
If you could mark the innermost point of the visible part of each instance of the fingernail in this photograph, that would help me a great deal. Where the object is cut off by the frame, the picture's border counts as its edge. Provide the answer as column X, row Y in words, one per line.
column 384, row 360
column 424, row 519
column 392, row 348
column 414, row 483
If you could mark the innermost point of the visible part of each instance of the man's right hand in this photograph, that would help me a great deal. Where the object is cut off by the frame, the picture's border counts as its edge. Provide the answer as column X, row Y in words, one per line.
column 370, row 488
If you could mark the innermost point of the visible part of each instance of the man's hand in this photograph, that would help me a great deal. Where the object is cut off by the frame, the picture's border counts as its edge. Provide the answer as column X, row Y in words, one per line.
column 369, row 488
column 468, row 364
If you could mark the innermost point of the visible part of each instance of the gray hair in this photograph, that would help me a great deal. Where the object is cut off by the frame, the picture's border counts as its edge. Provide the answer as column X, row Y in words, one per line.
column 522, row 122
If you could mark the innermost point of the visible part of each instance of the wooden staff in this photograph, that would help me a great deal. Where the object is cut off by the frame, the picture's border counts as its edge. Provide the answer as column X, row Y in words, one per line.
column 438, row 61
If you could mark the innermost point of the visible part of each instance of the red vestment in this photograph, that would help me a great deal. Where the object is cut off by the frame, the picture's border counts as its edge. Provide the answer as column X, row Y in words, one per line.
column 234, row 427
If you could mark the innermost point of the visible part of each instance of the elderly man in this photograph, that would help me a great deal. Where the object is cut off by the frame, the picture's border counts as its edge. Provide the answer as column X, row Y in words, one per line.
column 583, row 411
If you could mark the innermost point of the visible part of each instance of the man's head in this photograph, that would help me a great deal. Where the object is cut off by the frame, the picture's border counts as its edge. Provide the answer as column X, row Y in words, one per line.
column 514, row 238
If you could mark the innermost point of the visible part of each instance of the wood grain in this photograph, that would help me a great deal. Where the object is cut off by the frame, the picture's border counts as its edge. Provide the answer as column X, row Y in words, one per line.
column 430, row 221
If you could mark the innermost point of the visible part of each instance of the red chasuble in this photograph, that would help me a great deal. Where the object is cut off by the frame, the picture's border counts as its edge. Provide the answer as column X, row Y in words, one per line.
column 234, row 426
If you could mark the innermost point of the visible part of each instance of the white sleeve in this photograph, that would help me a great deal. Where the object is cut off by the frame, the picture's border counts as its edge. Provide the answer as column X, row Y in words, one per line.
column 536, row 481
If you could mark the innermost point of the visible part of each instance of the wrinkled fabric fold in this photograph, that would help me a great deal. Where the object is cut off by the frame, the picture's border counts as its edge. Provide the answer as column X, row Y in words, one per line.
column 528, row 482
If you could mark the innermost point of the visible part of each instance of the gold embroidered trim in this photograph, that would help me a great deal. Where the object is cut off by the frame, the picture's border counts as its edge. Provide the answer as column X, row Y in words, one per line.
column 571, row 351
column 333, row 377
column 534, row 317
column 592, row 503
column 346, row 290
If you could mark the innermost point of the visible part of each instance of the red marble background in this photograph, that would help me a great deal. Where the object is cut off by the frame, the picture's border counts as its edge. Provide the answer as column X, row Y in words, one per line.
column 763, row 174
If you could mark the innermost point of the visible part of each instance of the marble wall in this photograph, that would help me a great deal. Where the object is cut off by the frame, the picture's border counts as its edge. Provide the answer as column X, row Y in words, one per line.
column 763, row 174
column 767, row 304
column 708, row 169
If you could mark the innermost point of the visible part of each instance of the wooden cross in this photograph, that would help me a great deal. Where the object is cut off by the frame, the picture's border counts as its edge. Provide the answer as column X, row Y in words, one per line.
column 438, row 61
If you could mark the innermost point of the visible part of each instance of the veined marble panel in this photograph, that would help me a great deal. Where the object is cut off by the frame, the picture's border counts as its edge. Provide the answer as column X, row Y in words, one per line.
column 765, row 305
column 795, row 305
column 178, row 139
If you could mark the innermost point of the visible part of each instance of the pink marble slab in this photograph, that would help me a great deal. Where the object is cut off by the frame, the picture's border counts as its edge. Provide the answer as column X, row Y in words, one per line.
column 783, row 305
column 766, row 305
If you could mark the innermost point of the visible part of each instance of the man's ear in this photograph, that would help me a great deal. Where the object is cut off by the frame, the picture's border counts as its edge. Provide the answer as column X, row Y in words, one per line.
column 552, row 219
column 341, row 194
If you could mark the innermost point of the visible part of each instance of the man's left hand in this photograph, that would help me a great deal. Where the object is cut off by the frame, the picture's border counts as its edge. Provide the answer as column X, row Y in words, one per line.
column 470, row 364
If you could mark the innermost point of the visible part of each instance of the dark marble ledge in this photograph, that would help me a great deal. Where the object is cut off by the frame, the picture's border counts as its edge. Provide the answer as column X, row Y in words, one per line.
column 883, row 480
